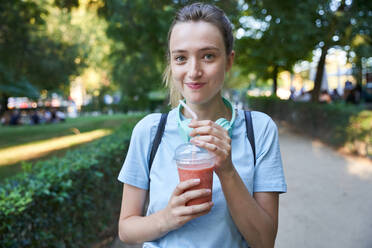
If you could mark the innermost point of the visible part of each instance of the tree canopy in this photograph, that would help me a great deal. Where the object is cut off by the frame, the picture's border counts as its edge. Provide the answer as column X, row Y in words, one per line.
column 275, row 35
column 47, row 44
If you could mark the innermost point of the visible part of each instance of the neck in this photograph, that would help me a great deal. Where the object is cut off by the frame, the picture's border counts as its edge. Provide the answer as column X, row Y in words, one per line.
column 212, row 110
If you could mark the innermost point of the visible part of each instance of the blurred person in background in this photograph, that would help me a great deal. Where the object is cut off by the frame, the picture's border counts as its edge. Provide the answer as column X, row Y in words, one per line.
column 15, row 118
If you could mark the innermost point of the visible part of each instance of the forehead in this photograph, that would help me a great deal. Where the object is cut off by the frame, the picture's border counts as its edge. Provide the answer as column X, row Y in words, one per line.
column 195, row 35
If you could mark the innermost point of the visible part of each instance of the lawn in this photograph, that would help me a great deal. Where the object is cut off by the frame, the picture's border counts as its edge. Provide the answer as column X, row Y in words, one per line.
column 12, row 136
column 33, row 143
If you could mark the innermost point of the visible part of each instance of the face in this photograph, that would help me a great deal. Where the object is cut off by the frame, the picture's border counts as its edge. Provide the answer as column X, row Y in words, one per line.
column 198, row 61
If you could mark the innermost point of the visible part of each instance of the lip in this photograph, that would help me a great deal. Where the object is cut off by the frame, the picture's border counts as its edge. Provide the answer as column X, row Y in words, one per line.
column 195, row 86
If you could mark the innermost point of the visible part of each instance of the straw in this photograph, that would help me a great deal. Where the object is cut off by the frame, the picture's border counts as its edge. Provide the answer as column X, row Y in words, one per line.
column 194, row 116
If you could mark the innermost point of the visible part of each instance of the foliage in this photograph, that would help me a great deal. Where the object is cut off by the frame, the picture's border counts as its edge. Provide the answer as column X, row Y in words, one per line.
column 28, row 55
column 57, row 204
column 339, row 125
column 273, row 36
column 339, row 24
column 276, row 35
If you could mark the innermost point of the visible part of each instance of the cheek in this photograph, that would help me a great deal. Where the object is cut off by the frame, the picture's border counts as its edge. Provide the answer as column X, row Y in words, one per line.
column 176, row 73
column 218, row 73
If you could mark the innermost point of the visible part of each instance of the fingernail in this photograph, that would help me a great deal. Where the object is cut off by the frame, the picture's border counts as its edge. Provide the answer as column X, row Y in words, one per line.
column 208, row 191
column 196, row 180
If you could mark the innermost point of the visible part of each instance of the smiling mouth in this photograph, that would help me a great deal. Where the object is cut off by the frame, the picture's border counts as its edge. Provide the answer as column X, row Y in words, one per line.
column 195, row 86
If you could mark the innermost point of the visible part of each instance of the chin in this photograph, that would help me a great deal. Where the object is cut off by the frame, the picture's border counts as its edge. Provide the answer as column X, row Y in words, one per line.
column 197, row 99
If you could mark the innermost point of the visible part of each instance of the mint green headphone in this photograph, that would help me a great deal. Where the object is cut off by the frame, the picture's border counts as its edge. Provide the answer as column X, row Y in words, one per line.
column 185, row 130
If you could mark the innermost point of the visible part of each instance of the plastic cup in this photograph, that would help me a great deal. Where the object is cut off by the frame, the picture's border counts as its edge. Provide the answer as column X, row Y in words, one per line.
column 194, row 162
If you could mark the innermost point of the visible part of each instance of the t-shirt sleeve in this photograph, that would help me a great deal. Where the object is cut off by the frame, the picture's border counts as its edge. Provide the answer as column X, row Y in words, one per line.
column 269, row 174
column 135, row 170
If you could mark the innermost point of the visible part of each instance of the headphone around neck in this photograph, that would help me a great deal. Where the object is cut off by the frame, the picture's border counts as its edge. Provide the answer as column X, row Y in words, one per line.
column 185, row 130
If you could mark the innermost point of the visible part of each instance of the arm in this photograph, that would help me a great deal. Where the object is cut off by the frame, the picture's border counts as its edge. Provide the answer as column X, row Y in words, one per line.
column 255, row 217
column 136, row 228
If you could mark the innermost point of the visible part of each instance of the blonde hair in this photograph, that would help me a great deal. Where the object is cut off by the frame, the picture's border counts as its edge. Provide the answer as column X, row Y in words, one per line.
column 197, row 12
column 174, row 94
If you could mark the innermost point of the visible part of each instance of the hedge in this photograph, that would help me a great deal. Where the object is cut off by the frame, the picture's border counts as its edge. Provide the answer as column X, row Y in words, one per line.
column 339, row 125
column 66, row 202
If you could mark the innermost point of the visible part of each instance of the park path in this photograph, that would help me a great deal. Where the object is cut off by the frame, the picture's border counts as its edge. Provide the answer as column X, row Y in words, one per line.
column 329, row 199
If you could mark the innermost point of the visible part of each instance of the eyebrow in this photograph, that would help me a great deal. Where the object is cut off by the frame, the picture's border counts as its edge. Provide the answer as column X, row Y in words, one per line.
column 202, row 49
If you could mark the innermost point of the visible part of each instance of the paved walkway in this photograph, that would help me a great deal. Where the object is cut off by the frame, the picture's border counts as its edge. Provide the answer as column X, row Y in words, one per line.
column 329, row 199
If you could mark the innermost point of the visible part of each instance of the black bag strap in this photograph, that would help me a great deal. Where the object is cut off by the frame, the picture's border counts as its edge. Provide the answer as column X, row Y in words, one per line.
column 250, row 133
column 157, row 139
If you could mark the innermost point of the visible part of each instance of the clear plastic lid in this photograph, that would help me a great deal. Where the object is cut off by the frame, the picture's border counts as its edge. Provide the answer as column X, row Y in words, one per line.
column 190, row 154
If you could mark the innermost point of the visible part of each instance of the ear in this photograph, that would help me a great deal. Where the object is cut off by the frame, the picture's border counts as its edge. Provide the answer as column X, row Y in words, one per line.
column 230, row 60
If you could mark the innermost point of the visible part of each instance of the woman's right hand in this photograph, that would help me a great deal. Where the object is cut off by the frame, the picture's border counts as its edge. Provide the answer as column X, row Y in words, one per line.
column 176, row 213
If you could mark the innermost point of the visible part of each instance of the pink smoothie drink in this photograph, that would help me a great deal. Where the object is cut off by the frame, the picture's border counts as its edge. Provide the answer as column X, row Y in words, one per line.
column 195, row 163
column 204, row 173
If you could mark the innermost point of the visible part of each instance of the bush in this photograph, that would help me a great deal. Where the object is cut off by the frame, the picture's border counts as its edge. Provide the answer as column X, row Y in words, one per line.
column 339, row 125
column 65, row 202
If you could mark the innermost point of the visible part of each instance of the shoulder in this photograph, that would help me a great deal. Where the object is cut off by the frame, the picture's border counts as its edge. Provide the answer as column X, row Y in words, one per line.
column 147, row 126
column 262, row 121
column 148, row 122
column 261, row 117
column 265, row 132
column 265, row 129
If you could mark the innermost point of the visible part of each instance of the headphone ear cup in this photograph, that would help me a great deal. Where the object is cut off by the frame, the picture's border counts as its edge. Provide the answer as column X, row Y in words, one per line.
column 224, row 123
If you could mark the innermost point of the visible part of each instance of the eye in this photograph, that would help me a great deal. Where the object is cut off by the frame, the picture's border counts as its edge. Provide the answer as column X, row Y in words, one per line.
column 180, row 59
column 209, row 56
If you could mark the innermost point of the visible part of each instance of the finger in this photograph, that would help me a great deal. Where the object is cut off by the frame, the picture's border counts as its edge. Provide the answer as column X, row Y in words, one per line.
column 222, row 144
column 196, row 210
column 196, row 123
column 182, row 186
column 204, row 123
column 214, row 130
column 210, row 147
column 191, row 194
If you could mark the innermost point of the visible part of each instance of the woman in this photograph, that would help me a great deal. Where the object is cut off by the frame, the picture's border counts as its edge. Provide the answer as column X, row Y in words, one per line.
column 244, row 210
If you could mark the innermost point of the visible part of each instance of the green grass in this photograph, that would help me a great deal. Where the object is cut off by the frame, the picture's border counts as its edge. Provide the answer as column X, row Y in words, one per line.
column 11, row 136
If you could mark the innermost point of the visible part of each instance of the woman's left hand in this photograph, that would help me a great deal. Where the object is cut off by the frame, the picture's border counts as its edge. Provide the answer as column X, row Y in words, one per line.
column 214, row 138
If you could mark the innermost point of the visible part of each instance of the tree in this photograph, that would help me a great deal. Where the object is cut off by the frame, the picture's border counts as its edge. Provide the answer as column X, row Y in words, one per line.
column 273, row 36
column 339, row 23
column 283, row 33
column 30, row 60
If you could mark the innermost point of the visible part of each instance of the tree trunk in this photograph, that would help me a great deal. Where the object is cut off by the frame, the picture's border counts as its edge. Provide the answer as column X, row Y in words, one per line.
column 358, row 71
column 319, row 74
column 275, row 80
column 3, row 103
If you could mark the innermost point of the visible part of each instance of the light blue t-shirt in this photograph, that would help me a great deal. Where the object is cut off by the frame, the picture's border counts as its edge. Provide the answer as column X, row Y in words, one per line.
column 217, row 227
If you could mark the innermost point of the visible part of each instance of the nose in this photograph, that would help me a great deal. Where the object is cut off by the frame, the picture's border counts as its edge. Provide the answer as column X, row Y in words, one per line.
column 195, row 70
